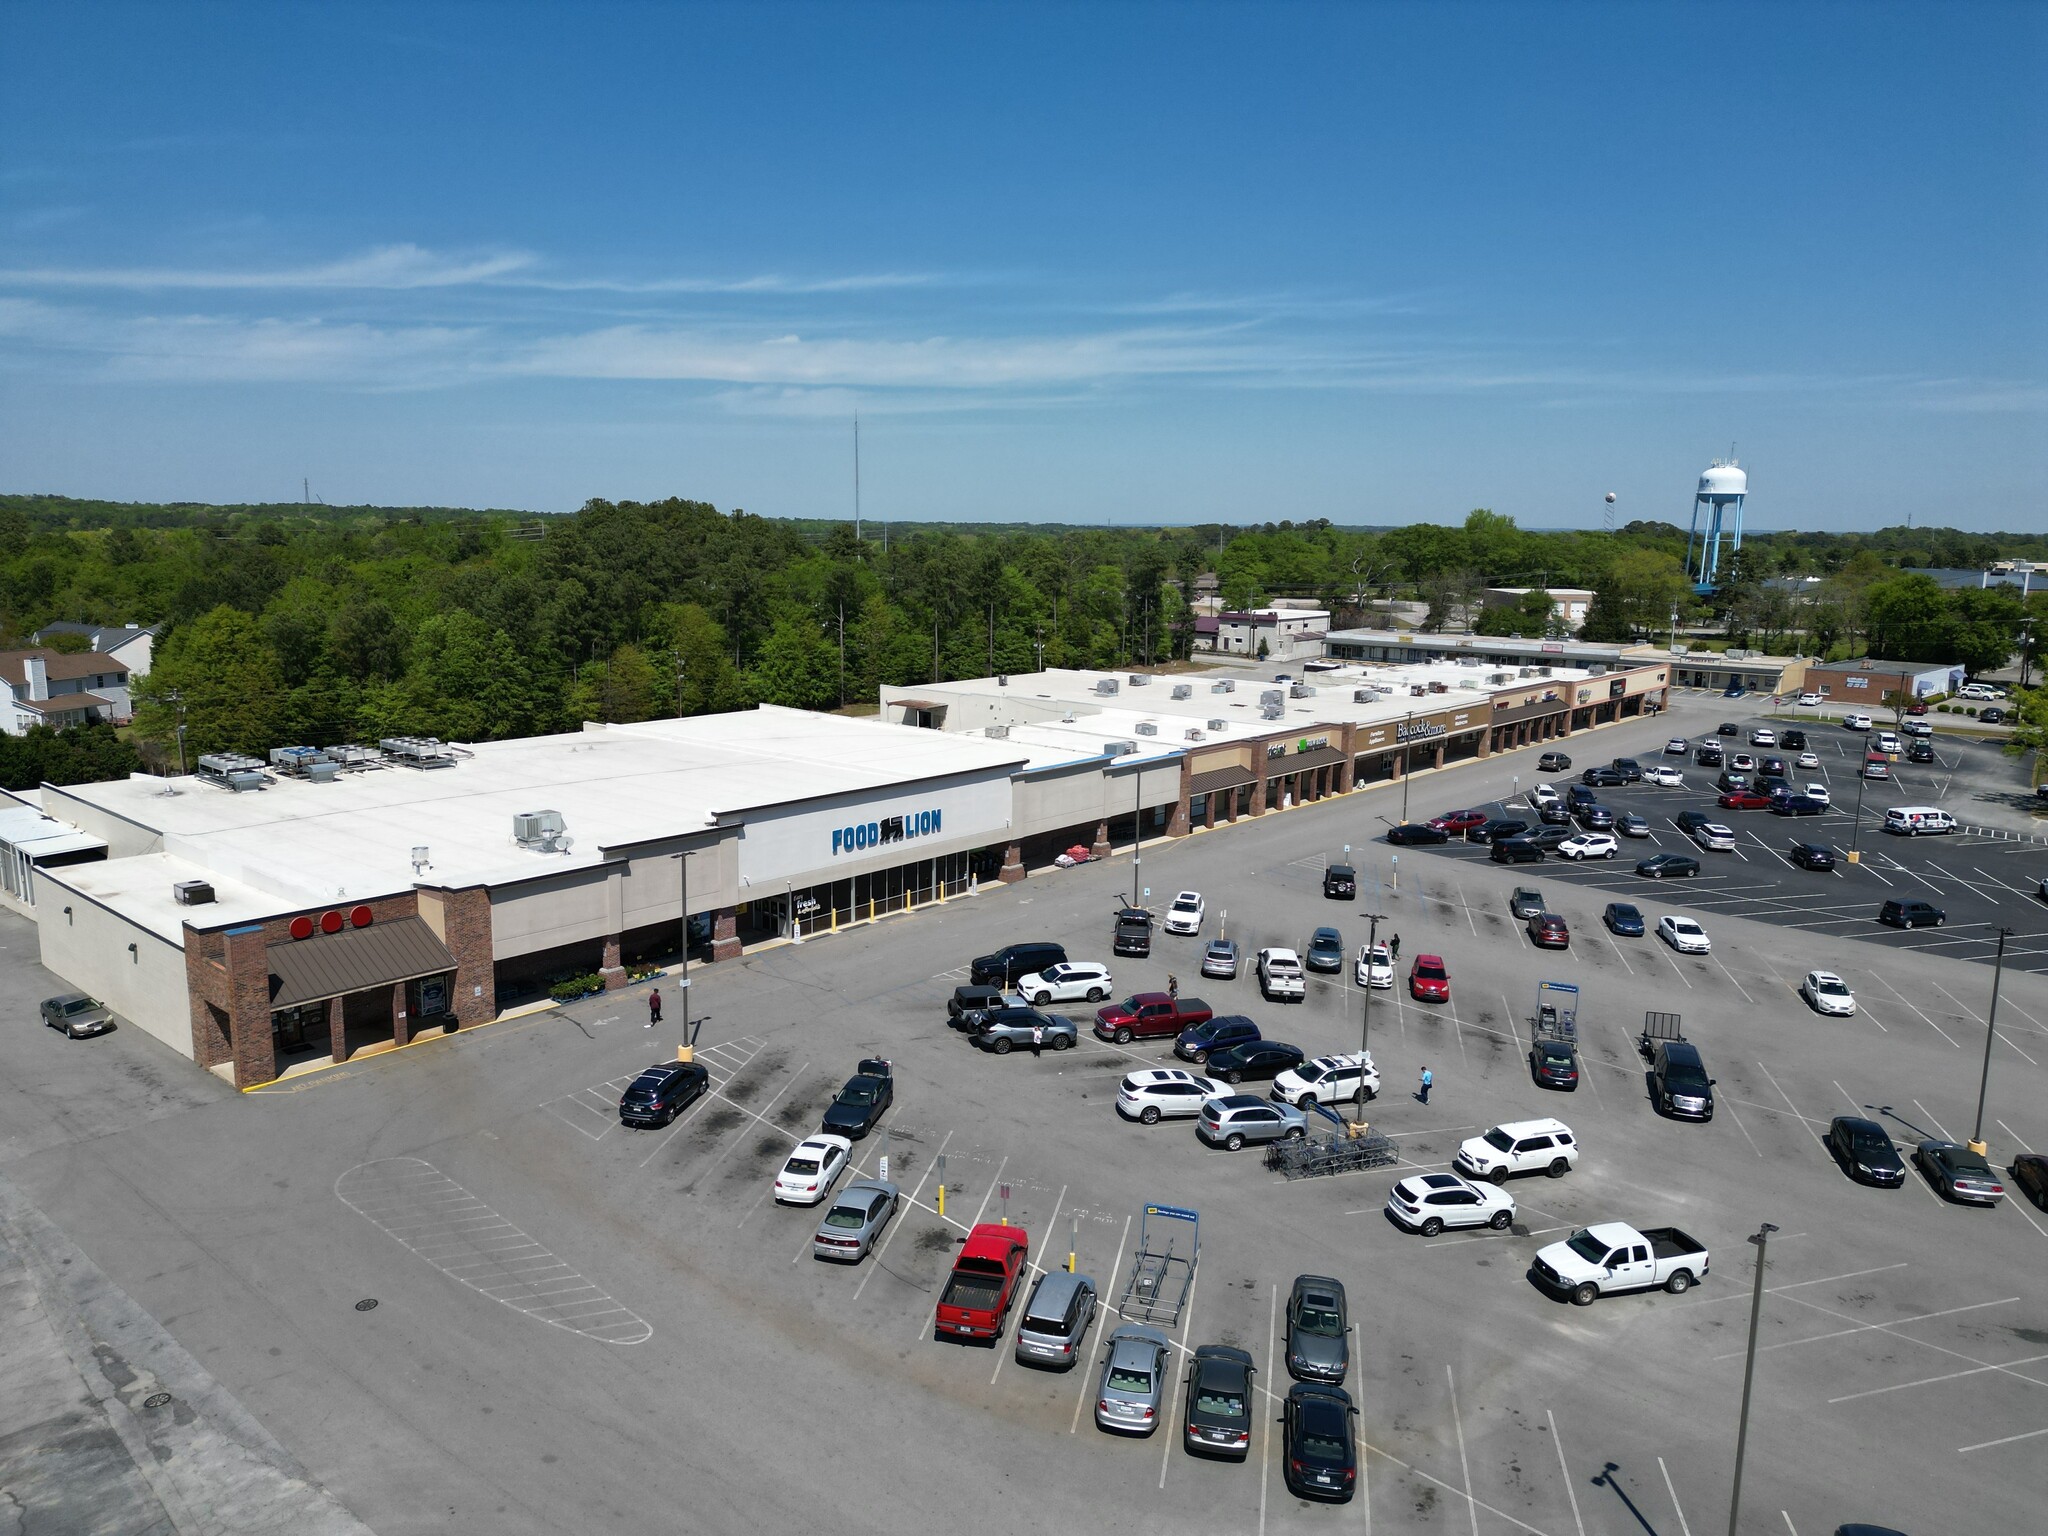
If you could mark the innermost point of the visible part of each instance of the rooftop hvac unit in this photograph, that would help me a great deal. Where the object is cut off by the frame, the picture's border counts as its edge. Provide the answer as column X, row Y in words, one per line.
column 418, row 751
column 542, row 831
column 192, row 893
column 1228, row 685
column 1146, row 728
column 1183, row 690
column 1219, row 725
column 1497, row 678
column 1194, row 733
column 233, row 771
column 1543, row 671
column 1139, row 679
column 1002, row 679
column 1302, row 691
column 294, row 759
column 321, row 770
column 353, row 757
column 1106, row 685
column 1272, row 696
column 1364, row 696
column 1272, row 711
column 1596, row 670
column 1119, row 748
column 999, row 733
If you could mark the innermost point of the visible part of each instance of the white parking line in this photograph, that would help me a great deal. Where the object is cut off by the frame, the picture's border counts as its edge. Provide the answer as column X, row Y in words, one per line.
column 1266, row 1451
column 1564, row 1467
column 1773, row 1290
column 1929, row 1381
column 1985, row 1445
column 1789, row 1104
column 1033, row 1266
column 1684, row 1529
column 1106, row 1299
column 1895, row 992
column 1186, row 1327
column 1464, row 1465
column 1842, row 1333
column 894, row 1223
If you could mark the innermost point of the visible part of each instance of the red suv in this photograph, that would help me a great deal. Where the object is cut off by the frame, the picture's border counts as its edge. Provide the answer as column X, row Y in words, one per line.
column 1458, row 822
column 1549, row 931
column 1745, row 800
column 1429, row 980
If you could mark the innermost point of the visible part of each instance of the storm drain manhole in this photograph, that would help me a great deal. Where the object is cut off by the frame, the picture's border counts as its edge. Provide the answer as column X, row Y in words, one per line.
column 156, row 1399
column 367, row 1304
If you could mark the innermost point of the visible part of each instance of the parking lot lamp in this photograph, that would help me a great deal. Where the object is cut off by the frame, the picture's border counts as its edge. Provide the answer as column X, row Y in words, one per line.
column 1977, row 1143
column 1372, row 940
column 1856, row 832
column 1761, row 1239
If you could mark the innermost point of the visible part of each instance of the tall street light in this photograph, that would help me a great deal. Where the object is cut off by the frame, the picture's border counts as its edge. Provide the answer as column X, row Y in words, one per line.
column 1977, row 1143
column 1365, row 1009
column 1762, row 1240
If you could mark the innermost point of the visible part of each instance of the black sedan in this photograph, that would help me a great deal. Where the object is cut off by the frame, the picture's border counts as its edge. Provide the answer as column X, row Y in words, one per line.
column 2030, row 1172
column 1554, row 1064
column 1865, row 1152
column 662, row 1092
column 1254, row 1061
column 1413, row 832
column 1958, row 1173
column 1219, row 1408
column 1727, row 728
column 1320, row 1460
column 860, row 1103
column 1623, row 919
column 1812, row 856
column 1662, row 866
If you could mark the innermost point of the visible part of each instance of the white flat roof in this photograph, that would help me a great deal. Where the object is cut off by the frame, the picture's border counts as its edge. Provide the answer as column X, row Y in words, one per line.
column 139, row 889
column 302, row 844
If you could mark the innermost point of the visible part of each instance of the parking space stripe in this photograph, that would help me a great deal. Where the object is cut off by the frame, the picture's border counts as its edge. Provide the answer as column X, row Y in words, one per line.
column 1929, row 1381
column 1684, row 1529
column 1564, row 1467
column 1842, row 1333
column 1985, row 1445
column 409, row 1199
column 1101, row 1329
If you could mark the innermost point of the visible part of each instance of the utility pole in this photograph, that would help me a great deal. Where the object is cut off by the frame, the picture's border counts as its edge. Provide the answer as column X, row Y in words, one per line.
column 842, row 641
column 1977, row 1143
column 1762, row 1240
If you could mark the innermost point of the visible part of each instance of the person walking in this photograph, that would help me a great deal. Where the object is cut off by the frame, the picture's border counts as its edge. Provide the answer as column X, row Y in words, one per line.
column 653, row 1007
column 1173, row 986
column 1395, row 948
column 1427, row 1080
column 1037, row 1039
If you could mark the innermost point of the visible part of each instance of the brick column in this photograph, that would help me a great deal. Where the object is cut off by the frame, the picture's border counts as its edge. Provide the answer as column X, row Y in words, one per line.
column 1178, row 825
column 1259, row 784
column 1100, row 847
column 1347, row 770
column 466, row 930
column 337, row 1030
column 248, row 965
column 1209, row 806
column 1013, row 864
column 401, row 1021
column 614, row 974
column 1440, row 743
column 206, row 995
column 725, row 934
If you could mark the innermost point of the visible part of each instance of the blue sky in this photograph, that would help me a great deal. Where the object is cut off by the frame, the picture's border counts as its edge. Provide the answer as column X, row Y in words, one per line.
column 1130, row 263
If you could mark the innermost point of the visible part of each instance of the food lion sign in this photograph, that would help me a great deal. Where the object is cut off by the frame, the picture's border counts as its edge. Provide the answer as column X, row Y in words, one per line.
column 889, row 829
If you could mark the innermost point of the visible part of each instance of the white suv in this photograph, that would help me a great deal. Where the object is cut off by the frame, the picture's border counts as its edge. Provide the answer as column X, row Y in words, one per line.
column 1071, row 981
column 1166, row 1093
column 1432, row 1201
column 1979, row 691
column 1328, row 1080
column 1280, row 975
column 1520, row 1146
column 1855, row 722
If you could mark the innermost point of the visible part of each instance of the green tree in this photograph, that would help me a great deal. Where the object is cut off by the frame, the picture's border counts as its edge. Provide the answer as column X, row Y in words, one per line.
column 1908, row 618
column 226, row 679
column 797, row 666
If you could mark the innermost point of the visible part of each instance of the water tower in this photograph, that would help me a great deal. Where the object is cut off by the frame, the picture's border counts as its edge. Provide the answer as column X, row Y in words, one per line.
column 1721, row 492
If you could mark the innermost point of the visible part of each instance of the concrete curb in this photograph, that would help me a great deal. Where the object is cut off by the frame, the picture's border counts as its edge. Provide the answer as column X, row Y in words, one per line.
column 214, row 1470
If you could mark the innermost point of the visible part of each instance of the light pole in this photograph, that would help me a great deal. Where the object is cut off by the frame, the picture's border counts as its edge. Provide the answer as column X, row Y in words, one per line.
column 1762, row 1240
column 2026, row 648
column 1977, row 1143
column 1856, row 831
column 1137, row 829
column 683, row 985
column 1365, row 1010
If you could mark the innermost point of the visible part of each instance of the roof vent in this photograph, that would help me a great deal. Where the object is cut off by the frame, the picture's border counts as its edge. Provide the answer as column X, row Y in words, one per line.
column 1002, row 679
column 1139, row 679
column 1364, row 695
column 541, row 831
column 1194, row 733
column 1228, row 685
column 192, row 893
column 1273, row 711
column 1183, row 690
column 1119, row 748
column 1146, row 728
column 1219, row 725
column 1067, row 718
column 1106, row 685
column 1302, row 691
column 999, row 733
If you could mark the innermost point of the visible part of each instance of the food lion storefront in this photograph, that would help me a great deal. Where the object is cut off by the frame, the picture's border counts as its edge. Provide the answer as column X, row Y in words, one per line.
column 813, row 866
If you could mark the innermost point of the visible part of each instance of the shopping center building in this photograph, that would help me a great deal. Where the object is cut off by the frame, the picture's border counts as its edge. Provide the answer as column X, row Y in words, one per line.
column 259, row 916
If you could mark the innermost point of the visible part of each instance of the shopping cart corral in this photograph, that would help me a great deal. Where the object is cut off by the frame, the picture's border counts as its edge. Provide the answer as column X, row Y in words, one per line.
column 1345, row 1150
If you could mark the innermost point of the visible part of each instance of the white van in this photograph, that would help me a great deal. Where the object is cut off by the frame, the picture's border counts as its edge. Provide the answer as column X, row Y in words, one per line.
column 1912, row 820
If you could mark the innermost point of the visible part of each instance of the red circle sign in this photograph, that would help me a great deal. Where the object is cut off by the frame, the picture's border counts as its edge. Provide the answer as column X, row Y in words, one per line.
column 360, row 917
column 302, row 927
column 330, row 922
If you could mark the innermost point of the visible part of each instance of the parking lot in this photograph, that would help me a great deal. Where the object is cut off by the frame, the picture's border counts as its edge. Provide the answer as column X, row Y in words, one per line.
column 582, row 1324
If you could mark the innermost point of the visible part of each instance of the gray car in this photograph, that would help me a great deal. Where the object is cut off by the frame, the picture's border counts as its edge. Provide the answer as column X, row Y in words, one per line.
column 1318, row 1330
column 1056, row 1319
column 1133, row 1381
column 1238, row 1119
column 77, row 1015
column 1526, row 901
column 854, row 1221
column 1009, row 1029
column 1219, row 960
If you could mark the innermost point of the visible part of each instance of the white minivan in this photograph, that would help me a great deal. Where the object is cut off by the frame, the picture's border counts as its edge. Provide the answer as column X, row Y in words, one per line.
column 1912, row 820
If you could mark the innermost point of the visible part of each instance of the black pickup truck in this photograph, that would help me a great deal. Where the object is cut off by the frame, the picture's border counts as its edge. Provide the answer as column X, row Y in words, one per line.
column 1133, row 932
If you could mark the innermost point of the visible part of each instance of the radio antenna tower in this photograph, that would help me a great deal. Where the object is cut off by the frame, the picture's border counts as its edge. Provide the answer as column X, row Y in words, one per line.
column 856, row 477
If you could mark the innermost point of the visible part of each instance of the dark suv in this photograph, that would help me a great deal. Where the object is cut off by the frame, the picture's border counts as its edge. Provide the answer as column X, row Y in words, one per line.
column 1793, row 741
column 1630, row 770
column 1497, row 830
column 1709, row 754
column 1605, row 778
column 1517, row 850
column 1002, row 968
column 1679, row 1080
column 1813, row 856
column 1340, row 882
column 1909, row 913
column 1553, row 762
column 1197, row 1041
column 662, row 1092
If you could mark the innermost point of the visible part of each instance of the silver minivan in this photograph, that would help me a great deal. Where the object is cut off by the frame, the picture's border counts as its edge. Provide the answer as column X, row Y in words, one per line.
column 1056, row 1319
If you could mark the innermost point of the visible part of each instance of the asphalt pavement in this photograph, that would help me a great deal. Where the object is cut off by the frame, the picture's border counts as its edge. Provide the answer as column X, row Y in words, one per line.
column 578, row 1325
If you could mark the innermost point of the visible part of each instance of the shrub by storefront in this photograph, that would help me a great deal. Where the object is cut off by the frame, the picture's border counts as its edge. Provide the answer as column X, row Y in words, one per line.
column 573, row 987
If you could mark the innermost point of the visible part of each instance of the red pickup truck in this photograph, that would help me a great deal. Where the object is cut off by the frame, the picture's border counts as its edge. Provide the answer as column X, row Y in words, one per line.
column 1149, row 1014
column 984, row 1282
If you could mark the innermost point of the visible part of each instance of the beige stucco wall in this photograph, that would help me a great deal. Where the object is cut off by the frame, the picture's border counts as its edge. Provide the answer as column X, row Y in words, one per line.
column 88, row 948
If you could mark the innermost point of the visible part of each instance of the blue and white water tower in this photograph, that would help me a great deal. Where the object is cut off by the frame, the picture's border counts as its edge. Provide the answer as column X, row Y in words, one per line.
column 1721, row 493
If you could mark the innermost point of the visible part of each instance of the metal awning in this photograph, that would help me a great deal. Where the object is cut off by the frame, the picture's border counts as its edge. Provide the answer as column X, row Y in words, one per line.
column 1321, row 757
column 1220, row 778
column 336, row 964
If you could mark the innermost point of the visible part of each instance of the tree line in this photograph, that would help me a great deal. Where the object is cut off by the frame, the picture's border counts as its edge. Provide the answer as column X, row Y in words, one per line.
column 289, row 624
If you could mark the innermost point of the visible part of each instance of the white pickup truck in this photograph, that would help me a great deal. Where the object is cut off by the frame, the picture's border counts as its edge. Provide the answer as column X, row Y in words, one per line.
column 1280, row 976
column 1595, row 1261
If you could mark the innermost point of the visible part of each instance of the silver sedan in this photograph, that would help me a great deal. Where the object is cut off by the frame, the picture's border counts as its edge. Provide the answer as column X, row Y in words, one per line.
column 1133, row 1380
column 855, row 1220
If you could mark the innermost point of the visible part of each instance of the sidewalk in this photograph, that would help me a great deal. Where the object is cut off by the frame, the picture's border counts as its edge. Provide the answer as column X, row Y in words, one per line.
column 85, row 1444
